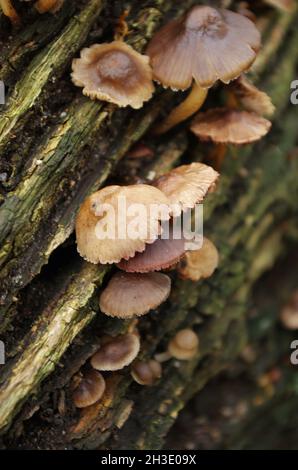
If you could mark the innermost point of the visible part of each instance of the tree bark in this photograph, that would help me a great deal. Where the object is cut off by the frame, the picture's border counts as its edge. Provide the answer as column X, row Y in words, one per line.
column 57, row 147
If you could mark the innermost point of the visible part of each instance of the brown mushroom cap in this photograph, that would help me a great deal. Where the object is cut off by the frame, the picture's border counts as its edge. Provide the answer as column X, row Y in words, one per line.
column 229, row 126
column 146, row 373
column 200, row 263
column 162, row 254
column 206, row 45
column 43, row 6
column 129, row 295
column 187, row 185
column 251, row 98
column 93, row 214
column 116, row 353
column 90, row 389
column 289, row 313
column 114, row 72
column 184, row 345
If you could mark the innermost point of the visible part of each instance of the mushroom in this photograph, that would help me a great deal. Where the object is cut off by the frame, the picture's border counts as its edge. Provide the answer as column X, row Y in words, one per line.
column 289, row 313
column 284, row 5
column 162, row 254
column 116, row 353
column 184, row 345
column 229, row 126
column 43, row 6
column 251, row 98
column 146, row 372
column 108, row 227
column 128, row 295
column 198, row 264
column 206, row 45
column 187, row 185
column 9, row 11
column 114, row 72
column 90, row 389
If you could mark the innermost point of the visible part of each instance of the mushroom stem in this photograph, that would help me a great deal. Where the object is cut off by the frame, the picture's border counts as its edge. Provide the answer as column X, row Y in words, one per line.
column 232, row 102
column 163, row 357
column 122, row 27
column 219, row 155
column 10, row 11
column 184, row 110
column 42, row 6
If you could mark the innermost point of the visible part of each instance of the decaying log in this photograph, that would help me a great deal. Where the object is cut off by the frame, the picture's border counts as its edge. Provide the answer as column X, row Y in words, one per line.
column 56, row 147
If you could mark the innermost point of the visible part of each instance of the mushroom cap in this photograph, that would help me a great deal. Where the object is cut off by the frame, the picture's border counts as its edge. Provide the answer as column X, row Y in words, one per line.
column 116, row 353
column 184, row 345
column 90, row 389
column 104, row 209
column 206, row 45
column 187, row 185
column 251, row 98
column 229, row 126
column 289, row 313
column 162, row 254
column 114, row 72
column 200, row 263
column 146, row 373
column 129, row 295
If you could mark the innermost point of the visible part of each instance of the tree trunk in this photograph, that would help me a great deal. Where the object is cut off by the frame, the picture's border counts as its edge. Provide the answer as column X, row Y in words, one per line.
column 57, row 147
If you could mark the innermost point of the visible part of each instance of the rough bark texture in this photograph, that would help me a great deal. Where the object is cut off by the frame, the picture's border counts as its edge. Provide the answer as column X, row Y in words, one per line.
column 56, row 147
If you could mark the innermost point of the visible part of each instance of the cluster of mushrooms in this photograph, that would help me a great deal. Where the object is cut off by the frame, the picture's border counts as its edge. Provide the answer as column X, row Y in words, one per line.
column 42, row 6
column 196, row 50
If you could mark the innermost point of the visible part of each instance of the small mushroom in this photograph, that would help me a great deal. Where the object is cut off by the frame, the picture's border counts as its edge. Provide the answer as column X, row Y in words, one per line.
column 162, row 254
column 90, row 389
column 105, row 218
column 198, row 264
column 129, row 295
column 187, row 185
column 251, row 98
column 116, row 353
column 205, row 45
column 289, row 313
column 114, row 72
column 284, row 5
column 229, row 126
column 146, row 372
column 184, row 345
column 43, row 6
column 9, row 11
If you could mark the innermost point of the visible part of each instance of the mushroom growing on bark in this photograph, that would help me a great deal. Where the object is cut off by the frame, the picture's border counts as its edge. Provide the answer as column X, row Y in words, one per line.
column 146, row 372
column 128, row 295
column 187, row 185
column 90, row 389
column 184, row 345
column 251, row 98
column 205, row 45
column 198, row 264
column 116, row 353
column 229, row 126
column 114, row 72
column 108, row 228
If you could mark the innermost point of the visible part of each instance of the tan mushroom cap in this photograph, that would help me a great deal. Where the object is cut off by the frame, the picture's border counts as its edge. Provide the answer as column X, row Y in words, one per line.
column 251, row 98
column 146, row 373
column 229, row 126
column 90, row 389
column 198, row 264
column 205, row 45
column 289, row 313
column 114, row 72
column 128, row 295
column 162, row 254
column 187, row 185
column 116, row 353
column 184, row 345
column 106, row 208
